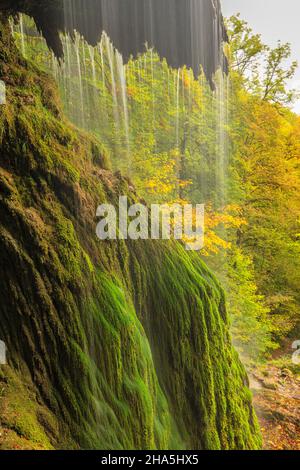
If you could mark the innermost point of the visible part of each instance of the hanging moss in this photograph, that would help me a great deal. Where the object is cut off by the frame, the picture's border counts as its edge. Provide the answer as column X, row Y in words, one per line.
column 111, row 345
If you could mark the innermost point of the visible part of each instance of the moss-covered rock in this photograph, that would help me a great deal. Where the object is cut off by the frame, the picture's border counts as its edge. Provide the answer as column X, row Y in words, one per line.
column 111, row 345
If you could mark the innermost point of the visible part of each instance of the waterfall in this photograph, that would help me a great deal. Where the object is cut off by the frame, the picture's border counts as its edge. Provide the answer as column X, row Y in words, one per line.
column 152, row 86
column 122, row 79
column 145, row 109
column 55, row 66
column 111, row 60
column 92, row 58
column 177, row 108
column 79, row 75
column 67, row 70
column 23, row 46
column 194, row 32
column 222, row 91
column 100, row 49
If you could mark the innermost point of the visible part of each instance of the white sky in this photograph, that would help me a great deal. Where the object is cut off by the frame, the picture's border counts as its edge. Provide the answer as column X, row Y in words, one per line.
column 273, row 19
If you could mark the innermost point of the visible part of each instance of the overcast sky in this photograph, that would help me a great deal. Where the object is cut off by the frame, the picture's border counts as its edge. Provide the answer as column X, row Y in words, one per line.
column 274, row 19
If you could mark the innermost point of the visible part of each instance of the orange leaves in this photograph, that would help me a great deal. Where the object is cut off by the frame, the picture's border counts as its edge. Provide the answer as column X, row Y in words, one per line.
column 216, row 224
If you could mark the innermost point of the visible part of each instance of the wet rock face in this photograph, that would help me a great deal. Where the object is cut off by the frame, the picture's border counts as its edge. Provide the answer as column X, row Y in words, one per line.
column 185, row 32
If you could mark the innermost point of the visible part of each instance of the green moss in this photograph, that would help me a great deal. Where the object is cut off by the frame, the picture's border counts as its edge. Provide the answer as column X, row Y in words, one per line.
column 123, row 344
column 23, row 422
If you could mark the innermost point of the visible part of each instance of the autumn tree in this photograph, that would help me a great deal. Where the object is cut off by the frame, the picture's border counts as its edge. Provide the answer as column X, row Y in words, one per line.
column 265, row 177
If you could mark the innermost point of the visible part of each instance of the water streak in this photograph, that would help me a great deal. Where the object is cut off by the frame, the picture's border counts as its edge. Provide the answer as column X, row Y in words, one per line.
column 23, row 45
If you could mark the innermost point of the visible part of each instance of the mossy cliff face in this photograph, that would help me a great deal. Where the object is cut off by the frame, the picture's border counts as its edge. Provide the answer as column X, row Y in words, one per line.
column 111, row 345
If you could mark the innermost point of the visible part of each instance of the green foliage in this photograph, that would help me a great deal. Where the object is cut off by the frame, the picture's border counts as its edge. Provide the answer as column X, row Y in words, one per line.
column 265, row 181
column 264, row 71
column 246, row 48
column 125, row 345
column 277, row 76
column 252, row 327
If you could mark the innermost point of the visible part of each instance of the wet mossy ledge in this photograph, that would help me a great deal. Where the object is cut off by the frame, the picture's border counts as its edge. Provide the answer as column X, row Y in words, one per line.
column 111, row 345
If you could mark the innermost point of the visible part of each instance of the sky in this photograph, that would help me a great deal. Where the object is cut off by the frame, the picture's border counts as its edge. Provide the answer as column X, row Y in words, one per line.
column 274, row 20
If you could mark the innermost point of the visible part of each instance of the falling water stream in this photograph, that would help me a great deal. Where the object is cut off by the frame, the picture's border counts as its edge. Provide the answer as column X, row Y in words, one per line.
column 122, row 79
column 22, row 35
column 101, row 94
